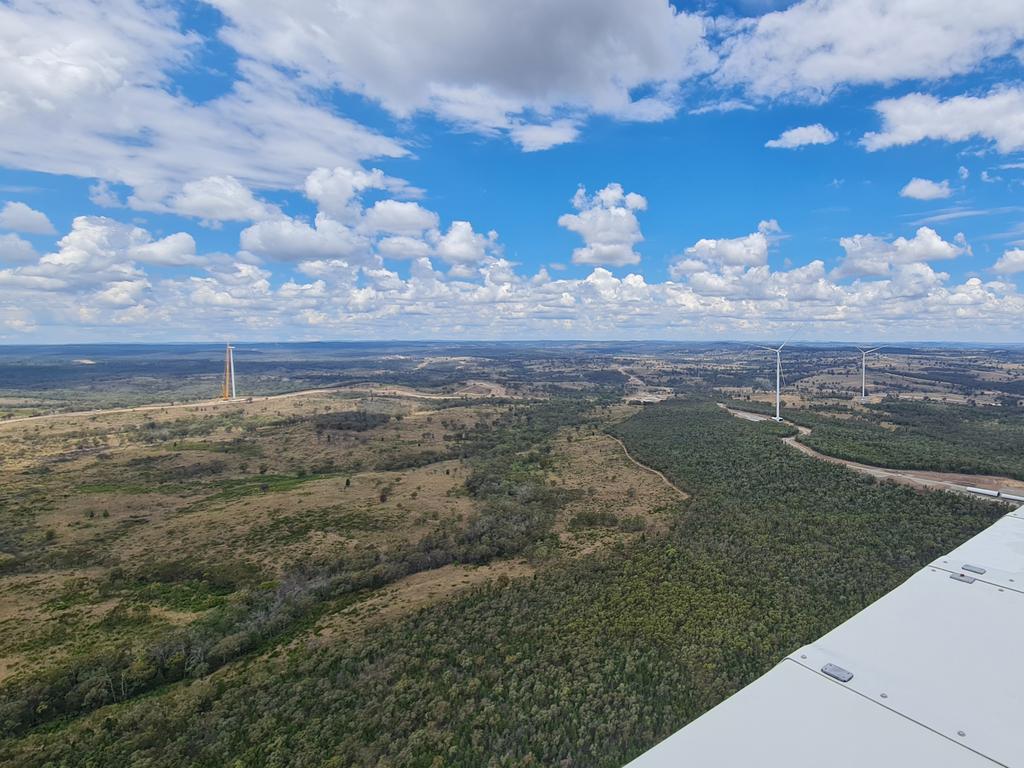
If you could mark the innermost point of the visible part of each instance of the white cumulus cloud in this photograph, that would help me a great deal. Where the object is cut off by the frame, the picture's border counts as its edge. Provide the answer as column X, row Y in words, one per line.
column 334, row 190
column 926, row 189
column 22, row 218
column 1010, row 263
column 291, row 239
column 99, row 264
column 802, row 137
column 738, row 251
column 178, row 249
column 86, row 89
column 14, row 250
column 998, row 117
column 814, row 47
column 488, row 67
column 97, row 277
column 404, row 247
column 460, row 245
column 871, row 255
column 220, row 198
column 399, row 218
column 711, row 253
column 608, row 224
column 533, row 137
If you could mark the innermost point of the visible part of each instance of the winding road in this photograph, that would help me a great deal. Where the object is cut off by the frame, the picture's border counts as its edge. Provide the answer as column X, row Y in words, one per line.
column 646, row 468
column 946, row 481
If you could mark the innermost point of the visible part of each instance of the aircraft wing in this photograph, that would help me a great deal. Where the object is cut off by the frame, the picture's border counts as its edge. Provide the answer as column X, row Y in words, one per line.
column 929, row 675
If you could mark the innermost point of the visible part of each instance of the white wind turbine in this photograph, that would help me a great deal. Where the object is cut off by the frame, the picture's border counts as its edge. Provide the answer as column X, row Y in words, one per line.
column 778, row 376
column 863, row 370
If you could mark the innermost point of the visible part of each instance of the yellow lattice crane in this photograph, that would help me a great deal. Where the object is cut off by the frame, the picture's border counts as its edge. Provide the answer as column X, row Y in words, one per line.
column 227, row 392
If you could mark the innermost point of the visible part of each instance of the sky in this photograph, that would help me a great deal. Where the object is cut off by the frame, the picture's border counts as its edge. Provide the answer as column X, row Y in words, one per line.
column 848, row 170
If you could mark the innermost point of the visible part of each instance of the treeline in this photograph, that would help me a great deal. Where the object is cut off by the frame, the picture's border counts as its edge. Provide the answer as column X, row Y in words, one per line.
column 352, row 421
column 595, row 518
column 970, row 382
column 590, row 662
column 981, row 440
column 909, row 434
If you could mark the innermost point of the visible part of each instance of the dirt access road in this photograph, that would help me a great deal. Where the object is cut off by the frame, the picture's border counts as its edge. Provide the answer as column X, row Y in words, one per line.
column 945, row 481
column 652, row 470
column 376, row 391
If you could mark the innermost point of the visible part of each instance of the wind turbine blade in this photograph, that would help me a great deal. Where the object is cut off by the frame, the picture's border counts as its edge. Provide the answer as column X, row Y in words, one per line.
column 788, row 340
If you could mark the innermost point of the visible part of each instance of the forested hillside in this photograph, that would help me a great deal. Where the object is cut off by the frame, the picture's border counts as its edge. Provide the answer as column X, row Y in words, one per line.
column 908, row 434
column 914, row 435
column 586, row 664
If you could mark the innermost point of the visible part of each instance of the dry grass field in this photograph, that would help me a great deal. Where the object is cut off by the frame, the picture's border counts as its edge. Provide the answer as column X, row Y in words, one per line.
column 95, row 508
column 119, row 526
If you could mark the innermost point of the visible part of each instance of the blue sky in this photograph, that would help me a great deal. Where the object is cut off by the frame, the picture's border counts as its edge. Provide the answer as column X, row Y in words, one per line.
column 270, row 170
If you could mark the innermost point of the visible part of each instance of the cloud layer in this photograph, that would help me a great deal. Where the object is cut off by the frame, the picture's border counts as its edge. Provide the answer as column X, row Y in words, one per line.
column 104, row 275
column 527, row 69
column 530, row 71
column 330, row 245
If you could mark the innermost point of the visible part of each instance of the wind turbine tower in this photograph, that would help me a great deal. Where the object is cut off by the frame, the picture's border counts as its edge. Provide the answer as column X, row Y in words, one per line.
column 778, row 377
column 228, row 390
column 863, row 371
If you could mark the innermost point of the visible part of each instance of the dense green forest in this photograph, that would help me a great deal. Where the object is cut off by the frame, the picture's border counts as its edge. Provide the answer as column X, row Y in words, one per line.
column 909, row 434
column 987, row 440
column 586, row 664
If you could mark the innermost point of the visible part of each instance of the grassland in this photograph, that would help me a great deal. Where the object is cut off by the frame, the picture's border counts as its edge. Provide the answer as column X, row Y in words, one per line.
column 160, row 515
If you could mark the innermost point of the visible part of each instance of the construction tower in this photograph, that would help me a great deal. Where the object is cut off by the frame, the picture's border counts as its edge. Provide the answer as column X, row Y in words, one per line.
column 228, row 390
